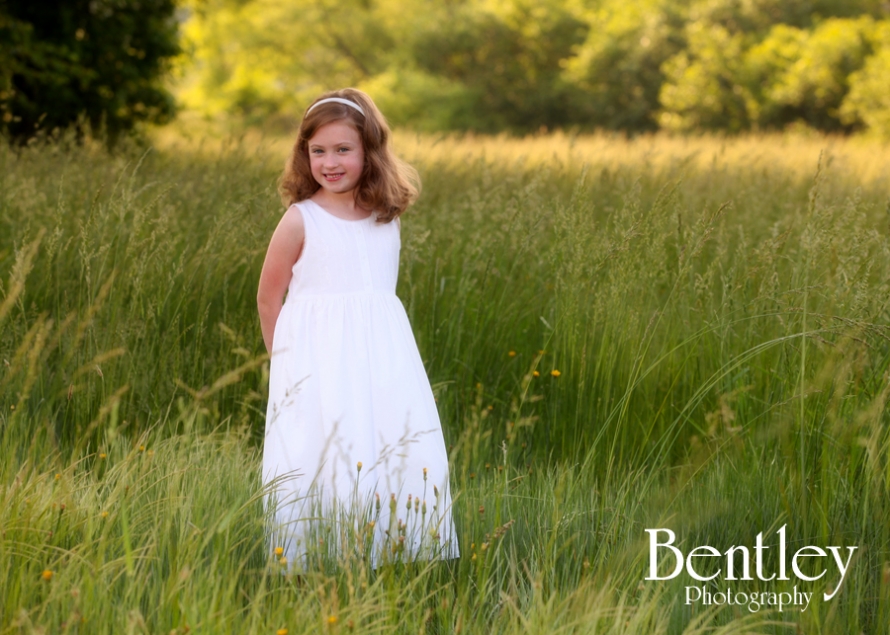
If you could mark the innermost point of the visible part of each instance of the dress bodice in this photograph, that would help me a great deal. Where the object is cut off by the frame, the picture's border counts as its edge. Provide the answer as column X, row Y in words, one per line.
column 345, row 256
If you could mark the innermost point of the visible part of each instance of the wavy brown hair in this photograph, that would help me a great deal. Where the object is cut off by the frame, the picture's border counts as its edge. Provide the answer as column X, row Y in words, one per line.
column 387, row 184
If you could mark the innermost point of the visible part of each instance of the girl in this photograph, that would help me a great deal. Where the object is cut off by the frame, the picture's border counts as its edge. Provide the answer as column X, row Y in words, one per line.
column 352, row 431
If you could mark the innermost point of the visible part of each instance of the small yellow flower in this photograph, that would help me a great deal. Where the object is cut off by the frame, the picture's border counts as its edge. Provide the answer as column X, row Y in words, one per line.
column 424, row 473
column 473, row 557
column 555, row 373
column 512, row 353
column 58, row 477
column 281, row 631
column 279, row 551
column 358, row 466
column 102, row 455
column 142, row 448
column 283, row 561
column 47, row 575
column 536, row 374
column 104, row 514
column 332, row 620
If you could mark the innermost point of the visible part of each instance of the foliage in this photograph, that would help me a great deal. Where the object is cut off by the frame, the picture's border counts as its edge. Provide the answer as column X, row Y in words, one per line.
column 791, row 75
column 812, row 88
column 524, row 65
column 85, row 62
column 618, row 68
column 505, row 62
column 438, row 65
column 701, row 90
column 868, row 101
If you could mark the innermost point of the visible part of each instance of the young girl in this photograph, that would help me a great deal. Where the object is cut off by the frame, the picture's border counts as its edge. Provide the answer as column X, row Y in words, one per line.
column 352, row 431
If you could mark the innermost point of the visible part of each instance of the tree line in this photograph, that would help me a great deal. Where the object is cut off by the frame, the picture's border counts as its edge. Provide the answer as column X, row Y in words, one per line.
column 85, row 63
column 520, row 65
column 480, row 65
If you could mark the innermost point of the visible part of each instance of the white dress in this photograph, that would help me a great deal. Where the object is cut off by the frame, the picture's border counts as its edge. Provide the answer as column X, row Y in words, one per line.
column 347, row 386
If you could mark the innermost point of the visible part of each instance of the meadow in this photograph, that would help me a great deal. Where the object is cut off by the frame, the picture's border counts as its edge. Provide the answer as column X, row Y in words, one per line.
column 659, row 332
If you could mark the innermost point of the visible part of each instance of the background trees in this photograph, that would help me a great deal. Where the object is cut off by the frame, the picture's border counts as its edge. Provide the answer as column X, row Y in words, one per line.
column 483, row 65
column 99, row 62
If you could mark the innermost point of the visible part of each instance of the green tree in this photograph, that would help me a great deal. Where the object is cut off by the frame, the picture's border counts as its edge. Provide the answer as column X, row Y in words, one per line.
column 507, row 57
column 868, row 101
column 757, row 17
column 93, row 61
column 618, row 68
column 736, row 81
column 702, row 90
column 812, row 88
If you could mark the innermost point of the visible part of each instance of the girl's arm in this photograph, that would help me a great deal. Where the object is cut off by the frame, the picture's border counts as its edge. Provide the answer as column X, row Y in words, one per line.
column 284, row 250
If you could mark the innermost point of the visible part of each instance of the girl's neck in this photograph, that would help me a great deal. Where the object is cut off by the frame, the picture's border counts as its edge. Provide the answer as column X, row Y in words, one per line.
column 341, row 205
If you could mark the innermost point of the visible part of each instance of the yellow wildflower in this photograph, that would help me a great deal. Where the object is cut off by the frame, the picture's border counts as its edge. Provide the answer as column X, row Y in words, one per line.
column 47, row 575
column 555, row 373
column 279, row 551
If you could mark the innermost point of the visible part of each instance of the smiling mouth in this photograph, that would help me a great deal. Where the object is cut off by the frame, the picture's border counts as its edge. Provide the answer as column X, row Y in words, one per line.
column 334, row 177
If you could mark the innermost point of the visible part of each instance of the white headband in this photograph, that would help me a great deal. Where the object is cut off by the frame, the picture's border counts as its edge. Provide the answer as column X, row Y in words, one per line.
column 339, row 100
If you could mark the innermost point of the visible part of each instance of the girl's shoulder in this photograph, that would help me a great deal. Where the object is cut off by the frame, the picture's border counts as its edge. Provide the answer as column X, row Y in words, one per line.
column 293, row 217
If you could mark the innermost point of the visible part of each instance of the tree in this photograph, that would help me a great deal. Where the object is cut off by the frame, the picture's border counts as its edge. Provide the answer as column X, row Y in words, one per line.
column 702, row 89
column 813, row 86
column 84, row 62
column 868, row 101
column 618, row 68
column 508, row 59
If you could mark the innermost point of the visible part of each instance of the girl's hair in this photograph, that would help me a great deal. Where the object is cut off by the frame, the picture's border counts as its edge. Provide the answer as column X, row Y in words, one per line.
column 387, row 184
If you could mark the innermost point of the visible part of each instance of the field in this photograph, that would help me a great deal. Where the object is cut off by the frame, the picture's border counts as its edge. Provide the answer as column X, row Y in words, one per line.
column 682, row 333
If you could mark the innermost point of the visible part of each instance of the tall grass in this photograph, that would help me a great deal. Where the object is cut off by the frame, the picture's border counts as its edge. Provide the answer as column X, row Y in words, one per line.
column 621, row 334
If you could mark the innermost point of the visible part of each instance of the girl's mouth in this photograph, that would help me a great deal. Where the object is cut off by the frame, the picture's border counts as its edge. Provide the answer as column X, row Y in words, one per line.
column 333, row 177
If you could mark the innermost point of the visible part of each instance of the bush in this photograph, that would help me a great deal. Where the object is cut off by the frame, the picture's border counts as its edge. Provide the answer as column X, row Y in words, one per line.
column 868, row 101
column 97, row 62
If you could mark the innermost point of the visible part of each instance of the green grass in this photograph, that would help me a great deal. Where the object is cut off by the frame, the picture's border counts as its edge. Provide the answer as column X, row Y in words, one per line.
column 715, row 311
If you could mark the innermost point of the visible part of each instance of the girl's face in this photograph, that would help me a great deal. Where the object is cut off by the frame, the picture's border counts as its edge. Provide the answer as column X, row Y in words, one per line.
column 336, row 157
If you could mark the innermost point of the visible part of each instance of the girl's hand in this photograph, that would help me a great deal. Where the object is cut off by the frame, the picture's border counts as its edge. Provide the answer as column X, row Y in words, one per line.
column 284, row 250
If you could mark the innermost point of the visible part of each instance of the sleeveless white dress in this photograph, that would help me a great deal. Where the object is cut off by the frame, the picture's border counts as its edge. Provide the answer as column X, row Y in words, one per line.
column 347, row 386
